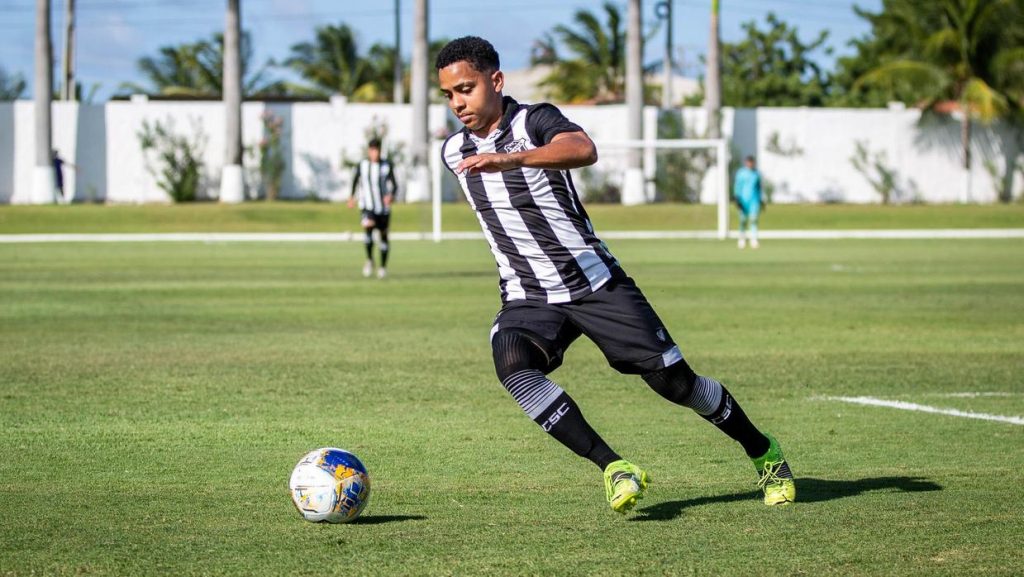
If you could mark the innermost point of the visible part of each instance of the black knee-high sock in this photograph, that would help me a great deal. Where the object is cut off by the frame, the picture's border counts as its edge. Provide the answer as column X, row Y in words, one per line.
column 555, row 411
column 368, row 241
column 712, row 401
column 385, row 248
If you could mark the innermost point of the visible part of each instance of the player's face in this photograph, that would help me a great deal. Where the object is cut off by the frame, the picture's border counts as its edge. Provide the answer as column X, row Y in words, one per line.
column 474, row 96
column 373, row 154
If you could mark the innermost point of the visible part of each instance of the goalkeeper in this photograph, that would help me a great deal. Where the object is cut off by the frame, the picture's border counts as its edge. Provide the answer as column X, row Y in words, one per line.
column 748, row 195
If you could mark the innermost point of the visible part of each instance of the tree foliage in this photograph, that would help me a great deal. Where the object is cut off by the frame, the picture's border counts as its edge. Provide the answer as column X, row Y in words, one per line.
column 773, row 67
column 196, row 70
column 924, row 53
column 332, row 63
column 12, row 86
column 596, row 69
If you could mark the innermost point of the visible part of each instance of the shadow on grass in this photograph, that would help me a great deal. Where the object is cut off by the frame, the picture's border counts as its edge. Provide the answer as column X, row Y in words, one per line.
column 378, row 519
column 808, row 490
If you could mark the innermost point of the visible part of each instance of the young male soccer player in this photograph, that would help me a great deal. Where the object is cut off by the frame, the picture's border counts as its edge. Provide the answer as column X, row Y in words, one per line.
column 373, row 184
column 558, row 279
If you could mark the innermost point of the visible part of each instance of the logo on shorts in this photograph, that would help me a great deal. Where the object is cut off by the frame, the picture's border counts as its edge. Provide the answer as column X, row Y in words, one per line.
column 662, row 335
column 516, row 146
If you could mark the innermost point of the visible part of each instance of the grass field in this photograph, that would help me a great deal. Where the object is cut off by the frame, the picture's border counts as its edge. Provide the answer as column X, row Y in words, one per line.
column 323, row 217
column 154, row 398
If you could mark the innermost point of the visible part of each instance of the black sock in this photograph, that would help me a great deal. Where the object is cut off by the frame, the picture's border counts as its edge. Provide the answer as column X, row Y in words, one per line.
column 564, row 421
column 368, row 241
column 731, row 420
column 385, row 248
column 555, row 411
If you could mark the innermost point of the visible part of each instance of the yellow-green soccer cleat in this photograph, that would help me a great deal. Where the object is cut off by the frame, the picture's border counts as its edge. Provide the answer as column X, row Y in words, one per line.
column 624, row 485
column 776, row 479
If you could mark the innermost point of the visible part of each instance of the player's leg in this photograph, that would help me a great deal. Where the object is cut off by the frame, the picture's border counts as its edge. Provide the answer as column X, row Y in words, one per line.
column 522, row 360
column 368, row 223
column 742, row 242
column 628, row 331
column 754, row 211
column 385, row 247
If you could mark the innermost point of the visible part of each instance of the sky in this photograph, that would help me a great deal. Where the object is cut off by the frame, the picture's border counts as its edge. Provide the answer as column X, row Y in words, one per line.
column 112, row 35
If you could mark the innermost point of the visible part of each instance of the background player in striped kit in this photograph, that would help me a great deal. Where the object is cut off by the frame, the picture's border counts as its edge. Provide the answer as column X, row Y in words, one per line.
column 558, row 280
column 374, row 188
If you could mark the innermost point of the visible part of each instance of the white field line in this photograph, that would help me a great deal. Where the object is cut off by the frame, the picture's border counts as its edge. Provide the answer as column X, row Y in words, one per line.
column 622, row 234
column 874, row 402
column 971, row 395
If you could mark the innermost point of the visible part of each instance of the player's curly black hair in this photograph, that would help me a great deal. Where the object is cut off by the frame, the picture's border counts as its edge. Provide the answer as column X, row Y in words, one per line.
column 480, row 54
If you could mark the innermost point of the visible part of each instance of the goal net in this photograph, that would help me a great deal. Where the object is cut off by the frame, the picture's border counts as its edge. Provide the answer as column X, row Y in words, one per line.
column 691, row 173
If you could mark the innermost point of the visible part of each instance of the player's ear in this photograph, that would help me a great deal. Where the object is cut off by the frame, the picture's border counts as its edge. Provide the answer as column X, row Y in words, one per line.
column 498, row 79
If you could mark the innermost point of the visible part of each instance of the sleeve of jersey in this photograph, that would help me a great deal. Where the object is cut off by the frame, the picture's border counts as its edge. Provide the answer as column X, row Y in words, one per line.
column 544, row 122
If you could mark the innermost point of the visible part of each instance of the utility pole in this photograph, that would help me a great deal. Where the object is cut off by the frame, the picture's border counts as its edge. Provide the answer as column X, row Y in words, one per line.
column 68, row 80
column 398, row 92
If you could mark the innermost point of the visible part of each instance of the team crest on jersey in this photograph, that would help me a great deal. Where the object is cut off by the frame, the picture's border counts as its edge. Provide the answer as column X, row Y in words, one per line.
column 516, row 146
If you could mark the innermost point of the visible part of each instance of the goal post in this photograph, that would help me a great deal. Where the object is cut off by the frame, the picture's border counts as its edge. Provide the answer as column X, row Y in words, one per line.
column 638, row 172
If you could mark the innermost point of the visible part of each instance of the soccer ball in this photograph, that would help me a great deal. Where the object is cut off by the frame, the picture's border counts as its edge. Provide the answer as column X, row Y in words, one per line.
column 330, row 485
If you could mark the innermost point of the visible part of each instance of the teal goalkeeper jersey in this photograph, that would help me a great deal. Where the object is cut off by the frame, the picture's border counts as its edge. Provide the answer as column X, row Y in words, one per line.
column 747, row 188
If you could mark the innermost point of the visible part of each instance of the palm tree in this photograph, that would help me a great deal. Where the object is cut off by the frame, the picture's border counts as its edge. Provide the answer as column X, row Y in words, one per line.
column 596, row 71
column 43, row 182
column 332, row 63
column 232, row 186
column 972, row 55
column 197, row 70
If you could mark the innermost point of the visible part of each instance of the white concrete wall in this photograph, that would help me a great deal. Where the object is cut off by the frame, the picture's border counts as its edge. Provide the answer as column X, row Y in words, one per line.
column 813, row 165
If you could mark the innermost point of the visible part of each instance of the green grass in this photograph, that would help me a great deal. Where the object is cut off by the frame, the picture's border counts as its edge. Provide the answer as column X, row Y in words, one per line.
column 323, row 217
column 154, row 398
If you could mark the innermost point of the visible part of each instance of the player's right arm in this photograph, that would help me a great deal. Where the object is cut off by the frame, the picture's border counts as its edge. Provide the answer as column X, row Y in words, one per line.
column 355, row 186
column 566, row 150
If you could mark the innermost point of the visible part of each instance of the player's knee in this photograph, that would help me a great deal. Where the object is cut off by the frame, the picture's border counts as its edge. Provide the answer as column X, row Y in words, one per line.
column 514, row 350
column 674, row 382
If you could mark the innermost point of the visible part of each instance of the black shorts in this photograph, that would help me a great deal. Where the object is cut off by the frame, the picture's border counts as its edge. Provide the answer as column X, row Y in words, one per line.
column 617, row 317
column 380, row 221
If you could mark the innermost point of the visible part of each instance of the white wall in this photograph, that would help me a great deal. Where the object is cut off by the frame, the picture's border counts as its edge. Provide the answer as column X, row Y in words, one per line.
column 813, row 164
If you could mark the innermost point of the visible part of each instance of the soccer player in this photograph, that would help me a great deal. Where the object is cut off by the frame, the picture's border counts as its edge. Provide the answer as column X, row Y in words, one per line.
column 559, row 281
column 374, row 188
column 747, row 191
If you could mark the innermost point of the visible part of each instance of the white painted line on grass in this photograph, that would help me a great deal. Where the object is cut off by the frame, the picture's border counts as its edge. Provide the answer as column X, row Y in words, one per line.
column 972, row 395
column 903, row 405
column 620, row 234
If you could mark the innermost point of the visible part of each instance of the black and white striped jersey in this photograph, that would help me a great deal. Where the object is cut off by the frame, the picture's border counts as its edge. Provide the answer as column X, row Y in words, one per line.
column 372, row 181
column 538, row 231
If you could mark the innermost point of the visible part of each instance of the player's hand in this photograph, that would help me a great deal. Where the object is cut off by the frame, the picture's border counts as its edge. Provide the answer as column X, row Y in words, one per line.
column 387, row 200
column 351, row 202
column 488, row 162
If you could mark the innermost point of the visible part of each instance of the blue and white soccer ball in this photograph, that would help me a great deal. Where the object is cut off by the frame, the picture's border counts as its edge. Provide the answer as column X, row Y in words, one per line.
column 330, row 485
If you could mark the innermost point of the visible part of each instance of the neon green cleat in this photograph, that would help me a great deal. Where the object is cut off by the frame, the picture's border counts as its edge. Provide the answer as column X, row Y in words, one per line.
column 624, row 485
column 776, row 479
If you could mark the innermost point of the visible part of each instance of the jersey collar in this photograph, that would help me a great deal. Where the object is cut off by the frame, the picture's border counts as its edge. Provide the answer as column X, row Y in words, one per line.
column 510, row 107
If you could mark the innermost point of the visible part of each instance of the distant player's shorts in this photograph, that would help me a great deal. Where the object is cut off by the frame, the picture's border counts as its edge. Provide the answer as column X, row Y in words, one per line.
column 751, row 209
column 372, row 220
column 617, row 318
